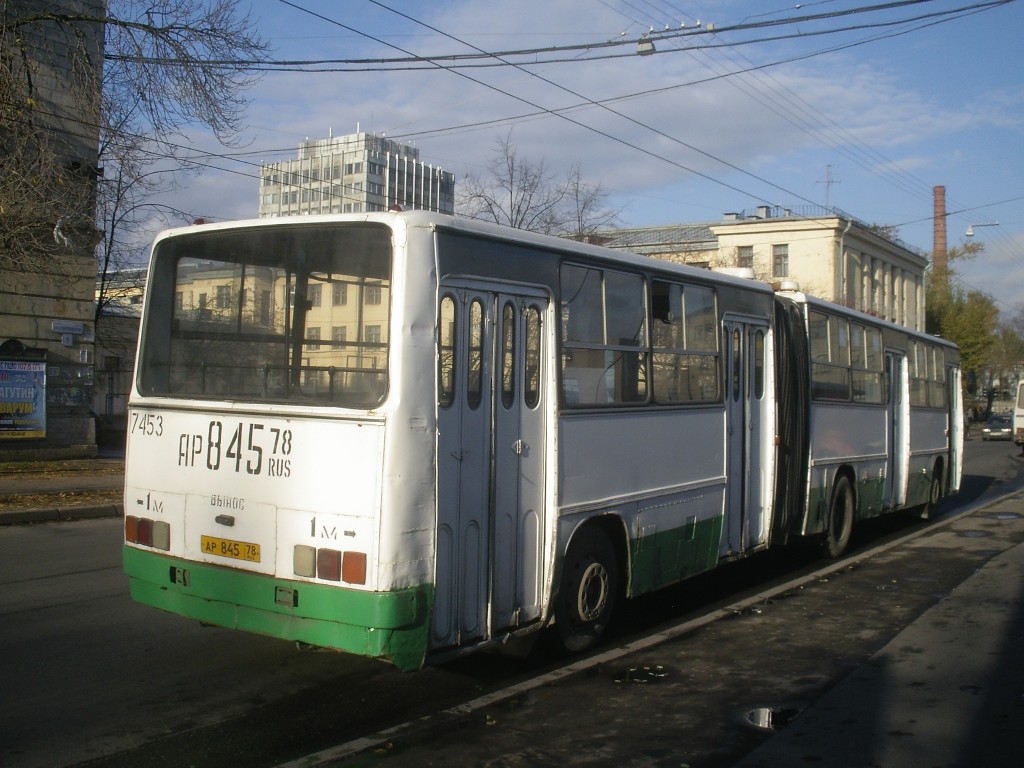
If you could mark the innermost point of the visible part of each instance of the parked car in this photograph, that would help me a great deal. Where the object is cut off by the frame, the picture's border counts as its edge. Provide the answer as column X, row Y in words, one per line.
column 998, row 427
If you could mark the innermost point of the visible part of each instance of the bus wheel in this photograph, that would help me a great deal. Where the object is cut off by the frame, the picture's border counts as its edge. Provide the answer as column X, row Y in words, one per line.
column 840, row 519
column 934, row 495
column 586, row 595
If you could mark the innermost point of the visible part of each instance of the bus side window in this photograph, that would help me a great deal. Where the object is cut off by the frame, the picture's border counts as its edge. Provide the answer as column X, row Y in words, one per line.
column 508, row 345
column 531, row 394
column 446, row 352
column 759, row 364
column 474, row 367
column 604, row 336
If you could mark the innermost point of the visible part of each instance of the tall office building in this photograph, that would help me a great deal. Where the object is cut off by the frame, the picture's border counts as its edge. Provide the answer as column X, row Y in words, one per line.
column 356, row 173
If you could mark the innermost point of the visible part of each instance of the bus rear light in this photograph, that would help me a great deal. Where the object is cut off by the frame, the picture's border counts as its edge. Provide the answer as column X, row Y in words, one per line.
column 353, row 567
column 148, row 533
column 162, row 535
column 329, row 564
column 145, row 531
column 304, row 560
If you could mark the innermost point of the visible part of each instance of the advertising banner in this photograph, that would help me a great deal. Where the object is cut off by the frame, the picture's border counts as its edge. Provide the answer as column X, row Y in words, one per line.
column 22, row 399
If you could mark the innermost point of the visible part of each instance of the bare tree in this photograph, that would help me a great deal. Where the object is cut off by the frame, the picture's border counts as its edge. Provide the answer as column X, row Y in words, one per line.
column 523, row 193
column 167, row 65
column 45, row 188
column 586, row 212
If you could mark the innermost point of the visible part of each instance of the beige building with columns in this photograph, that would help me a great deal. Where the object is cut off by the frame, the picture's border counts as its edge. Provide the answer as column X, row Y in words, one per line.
column 828, row 253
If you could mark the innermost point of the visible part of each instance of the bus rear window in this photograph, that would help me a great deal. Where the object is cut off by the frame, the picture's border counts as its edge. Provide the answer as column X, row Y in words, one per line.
column 270, row 314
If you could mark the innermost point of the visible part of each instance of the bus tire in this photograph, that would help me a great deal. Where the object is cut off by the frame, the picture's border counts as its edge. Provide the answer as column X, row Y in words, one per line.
column 934, row 494
column 587, row 591
column 839, row 525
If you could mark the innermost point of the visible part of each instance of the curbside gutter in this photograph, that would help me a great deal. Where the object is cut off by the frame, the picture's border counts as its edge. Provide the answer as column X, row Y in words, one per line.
column 60, row 514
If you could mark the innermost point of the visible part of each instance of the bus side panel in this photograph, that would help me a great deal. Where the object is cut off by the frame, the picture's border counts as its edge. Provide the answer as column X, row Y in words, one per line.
column 671, row 499
column 928, row 443
column 663, row 551
column 845, row 435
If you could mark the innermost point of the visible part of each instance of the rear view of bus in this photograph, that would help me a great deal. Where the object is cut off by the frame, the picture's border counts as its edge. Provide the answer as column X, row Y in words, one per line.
column 256, row 462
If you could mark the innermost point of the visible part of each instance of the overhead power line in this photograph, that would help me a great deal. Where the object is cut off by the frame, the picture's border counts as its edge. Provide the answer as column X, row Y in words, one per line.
column 480, row 58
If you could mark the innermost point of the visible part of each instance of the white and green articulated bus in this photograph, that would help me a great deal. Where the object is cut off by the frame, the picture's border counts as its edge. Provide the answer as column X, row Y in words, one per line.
column 406, row 435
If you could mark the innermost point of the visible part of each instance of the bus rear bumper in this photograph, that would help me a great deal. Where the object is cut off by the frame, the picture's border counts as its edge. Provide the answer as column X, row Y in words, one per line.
column 388, row 625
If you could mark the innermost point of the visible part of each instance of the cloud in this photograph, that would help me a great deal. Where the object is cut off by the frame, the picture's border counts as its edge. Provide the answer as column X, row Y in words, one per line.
column 677, row 140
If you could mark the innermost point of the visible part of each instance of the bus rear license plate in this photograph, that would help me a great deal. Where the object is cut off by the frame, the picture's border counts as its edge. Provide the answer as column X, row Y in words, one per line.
column 237, row 550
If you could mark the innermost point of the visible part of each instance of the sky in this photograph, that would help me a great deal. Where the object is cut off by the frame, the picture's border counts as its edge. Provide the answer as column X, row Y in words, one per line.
column 744, row 103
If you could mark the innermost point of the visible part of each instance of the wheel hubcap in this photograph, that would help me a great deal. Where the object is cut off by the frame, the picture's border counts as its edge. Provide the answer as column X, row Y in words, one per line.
column 593, row 594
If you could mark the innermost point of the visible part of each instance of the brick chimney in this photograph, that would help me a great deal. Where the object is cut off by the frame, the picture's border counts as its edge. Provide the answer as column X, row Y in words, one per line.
column 939, row 248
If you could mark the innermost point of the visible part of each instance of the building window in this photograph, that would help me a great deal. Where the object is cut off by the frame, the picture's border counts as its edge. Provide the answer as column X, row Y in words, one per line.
column 263, row 308
column 745, row 256
column 372, row 294
column 780, row 261
column 339, row 294
column 312, row 338
column 313, row 294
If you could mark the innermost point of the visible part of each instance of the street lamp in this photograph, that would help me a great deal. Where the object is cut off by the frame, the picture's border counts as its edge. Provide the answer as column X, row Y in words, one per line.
column 970, row 228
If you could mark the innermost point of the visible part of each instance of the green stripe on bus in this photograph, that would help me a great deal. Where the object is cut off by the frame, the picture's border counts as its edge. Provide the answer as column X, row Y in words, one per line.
column 666, row 557
column 389, row 625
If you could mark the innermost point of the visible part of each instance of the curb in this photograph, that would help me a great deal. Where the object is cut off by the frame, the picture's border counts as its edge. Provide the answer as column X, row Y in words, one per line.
column 60, row 514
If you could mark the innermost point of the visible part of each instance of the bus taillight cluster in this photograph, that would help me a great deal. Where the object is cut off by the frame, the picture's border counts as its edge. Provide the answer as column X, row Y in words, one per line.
column 148, row 533
column 329, row 564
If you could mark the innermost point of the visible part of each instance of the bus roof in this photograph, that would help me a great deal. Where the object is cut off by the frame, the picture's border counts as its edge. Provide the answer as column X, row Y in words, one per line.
column 457, row 224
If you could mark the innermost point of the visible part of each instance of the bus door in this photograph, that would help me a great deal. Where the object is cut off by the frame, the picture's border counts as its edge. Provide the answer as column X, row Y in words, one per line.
column 490, row 465
column 747, row 418
column 897, row 441
column 957, row 424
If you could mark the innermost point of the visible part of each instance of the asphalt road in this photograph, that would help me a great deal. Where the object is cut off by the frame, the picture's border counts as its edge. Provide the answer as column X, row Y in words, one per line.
column 90, row 678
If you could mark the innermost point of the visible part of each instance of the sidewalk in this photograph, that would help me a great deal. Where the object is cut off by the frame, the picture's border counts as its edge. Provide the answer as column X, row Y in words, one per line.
column 946, row 691
column 912, row 657
column 47, row 491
